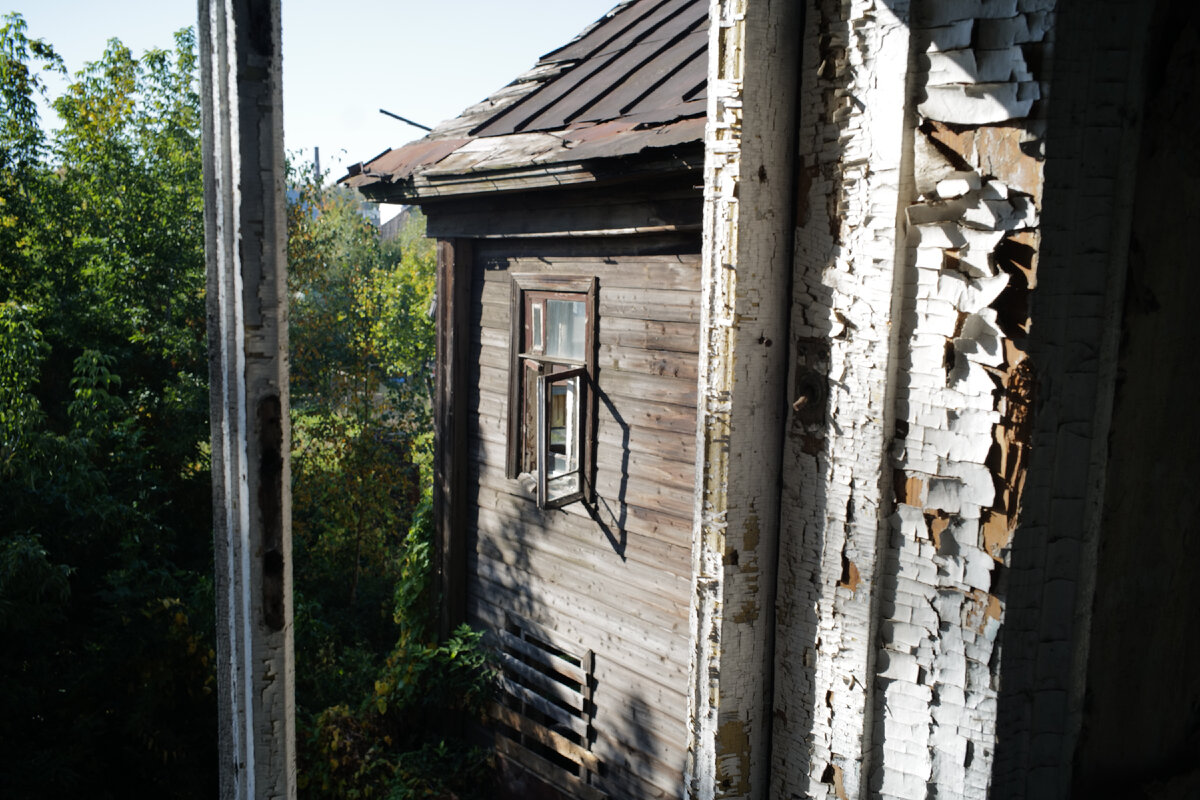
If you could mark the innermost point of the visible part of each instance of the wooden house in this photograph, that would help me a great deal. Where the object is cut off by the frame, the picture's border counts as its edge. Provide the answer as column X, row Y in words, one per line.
column 567, row 207
column 811, row 391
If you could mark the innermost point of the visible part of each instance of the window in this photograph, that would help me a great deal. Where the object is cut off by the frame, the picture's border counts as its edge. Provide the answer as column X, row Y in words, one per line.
column 552, row 372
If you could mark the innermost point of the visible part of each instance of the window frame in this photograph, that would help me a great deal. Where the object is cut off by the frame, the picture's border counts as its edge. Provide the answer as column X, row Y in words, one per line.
column 527, row 287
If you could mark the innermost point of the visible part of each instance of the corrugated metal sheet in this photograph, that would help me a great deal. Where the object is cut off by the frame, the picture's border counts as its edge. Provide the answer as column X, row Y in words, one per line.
column 633, row 81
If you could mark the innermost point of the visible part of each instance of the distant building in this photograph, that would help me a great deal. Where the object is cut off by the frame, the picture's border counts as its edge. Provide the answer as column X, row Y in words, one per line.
column 392, row 228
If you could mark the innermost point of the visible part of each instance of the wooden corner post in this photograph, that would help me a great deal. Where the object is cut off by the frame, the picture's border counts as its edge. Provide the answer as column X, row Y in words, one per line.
column 246, row 236
column 745, row 286
column 451, row 409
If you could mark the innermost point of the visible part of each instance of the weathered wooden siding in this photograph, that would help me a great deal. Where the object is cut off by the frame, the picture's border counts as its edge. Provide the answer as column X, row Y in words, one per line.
column 613, row 579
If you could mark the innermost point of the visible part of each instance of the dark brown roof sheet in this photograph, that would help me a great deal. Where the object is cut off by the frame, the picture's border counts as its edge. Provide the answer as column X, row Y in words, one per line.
column 634, row 80
column 616, row 66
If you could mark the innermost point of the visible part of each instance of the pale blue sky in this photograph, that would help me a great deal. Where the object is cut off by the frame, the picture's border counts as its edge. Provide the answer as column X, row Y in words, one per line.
column 424, row 59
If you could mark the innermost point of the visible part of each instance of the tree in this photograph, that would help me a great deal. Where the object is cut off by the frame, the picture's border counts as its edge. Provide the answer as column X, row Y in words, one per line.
column 106, row 600
column 105, row 553
column 372, row 681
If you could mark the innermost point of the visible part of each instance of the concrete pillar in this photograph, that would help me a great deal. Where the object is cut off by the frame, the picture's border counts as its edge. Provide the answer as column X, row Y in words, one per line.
column 246, row 235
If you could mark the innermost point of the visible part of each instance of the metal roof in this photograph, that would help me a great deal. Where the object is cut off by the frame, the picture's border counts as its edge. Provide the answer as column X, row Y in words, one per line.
column 633, row 82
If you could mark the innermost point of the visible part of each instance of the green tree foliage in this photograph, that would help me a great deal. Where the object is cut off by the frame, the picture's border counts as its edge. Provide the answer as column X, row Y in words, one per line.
column 105, row 544
column 374, row 686
column 358, row 433
column 106, row 599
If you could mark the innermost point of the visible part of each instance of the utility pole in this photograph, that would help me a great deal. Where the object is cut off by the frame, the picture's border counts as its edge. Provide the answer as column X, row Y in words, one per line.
column 246, row 236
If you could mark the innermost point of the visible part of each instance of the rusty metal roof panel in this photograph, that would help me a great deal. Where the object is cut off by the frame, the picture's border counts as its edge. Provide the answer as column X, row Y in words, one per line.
column 633, row 81
column 626, row 64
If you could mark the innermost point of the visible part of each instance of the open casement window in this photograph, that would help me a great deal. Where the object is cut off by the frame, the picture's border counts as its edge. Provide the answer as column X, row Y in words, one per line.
column 551, row 419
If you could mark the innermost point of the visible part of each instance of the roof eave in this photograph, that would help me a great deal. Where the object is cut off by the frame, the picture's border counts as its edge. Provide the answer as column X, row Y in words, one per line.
column 607, row 152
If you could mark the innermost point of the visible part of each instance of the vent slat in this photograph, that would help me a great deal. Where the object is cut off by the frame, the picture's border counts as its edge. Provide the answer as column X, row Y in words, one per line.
column 542, row 683
column 544, row 736
column 559, row 665
column 557, row 713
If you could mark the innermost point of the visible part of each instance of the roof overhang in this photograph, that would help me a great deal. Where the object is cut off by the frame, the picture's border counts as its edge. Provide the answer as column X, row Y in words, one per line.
column 616, row 150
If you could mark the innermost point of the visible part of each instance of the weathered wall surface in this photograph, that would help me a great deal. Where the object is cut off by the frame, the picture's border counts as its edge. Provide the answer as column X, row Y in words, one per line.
column 1141, row 714
column 246, row 250
column 916, row 255
column 745, row 273
column 613, row 579
column 965, row 391
column 1091, row 162
column 852, row 154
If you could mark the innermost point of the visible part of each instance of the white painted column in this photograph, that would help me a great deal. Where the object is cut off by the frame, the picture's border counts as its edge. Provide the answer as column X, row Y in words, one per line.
column 850, row 259
column 246, row 234
column 743, row 365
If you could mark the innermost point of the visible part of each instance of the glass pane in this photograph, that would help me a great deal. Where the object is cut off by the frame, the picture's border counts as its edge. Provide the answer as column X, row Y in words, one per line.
column 560, row 437
column 535, row 314
column 563, row 427
column 566, row 329
column 562, row 487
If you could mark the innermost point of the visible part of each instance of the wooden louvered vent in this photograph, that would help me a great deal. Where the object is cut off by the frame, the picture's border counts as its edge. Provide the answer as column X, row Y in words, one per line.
column 544, row 716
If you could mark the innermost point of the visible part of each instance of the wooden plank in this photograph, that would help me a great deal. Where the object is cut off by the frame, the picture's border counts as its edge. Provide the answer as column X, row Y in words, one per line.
column 572, row 672
column 544, row 736
column 641, row 302
column 518, row 217
column 631, row 610
column 633, row 249
column 668, row 579
column 452, row 397
column 530, row 697
column 618, row 382
column 667, row 547
column 659, row 335
column 673, row 272
column 635, row 520
column 659, row 656
column 647, row 474
column 631, row 772
column 632, row 717
column 620, row 479
column 681, row 337
column 624, row 693
column 647, row 362
column 640, row 626
column 650, row 303
column 621, row 401
column 659, row 597
column 673, row 446
column 662, row 567
column 540, row 683
column 618, row 490
column 552, row 774
column 544, row 634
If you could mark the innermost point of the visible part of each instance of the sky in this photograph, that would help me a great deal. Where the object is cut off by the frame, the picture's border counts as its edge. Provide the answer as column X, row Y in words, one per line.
column 423, row 59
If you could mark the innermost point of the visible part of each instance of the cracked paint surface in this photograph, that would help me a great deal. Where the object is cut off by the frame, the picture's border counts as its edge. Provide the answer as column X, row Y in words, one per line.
column 746, row 264
column 916, row 255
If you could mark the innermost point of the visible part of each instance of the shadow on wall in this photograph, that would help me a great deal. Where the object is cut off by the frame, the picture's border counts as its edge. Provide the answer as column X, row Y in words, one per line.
column 612, row 520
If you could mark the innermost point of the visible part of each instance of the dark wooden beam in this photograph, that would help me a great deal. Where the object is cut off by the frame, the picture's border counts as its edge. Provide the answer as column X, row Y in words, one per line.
column 453, row 393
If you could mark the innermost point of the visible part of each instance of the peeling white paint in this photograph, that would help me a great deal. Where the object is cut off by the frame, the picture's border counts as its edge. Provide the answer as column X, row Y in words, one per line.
column 924, row 603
